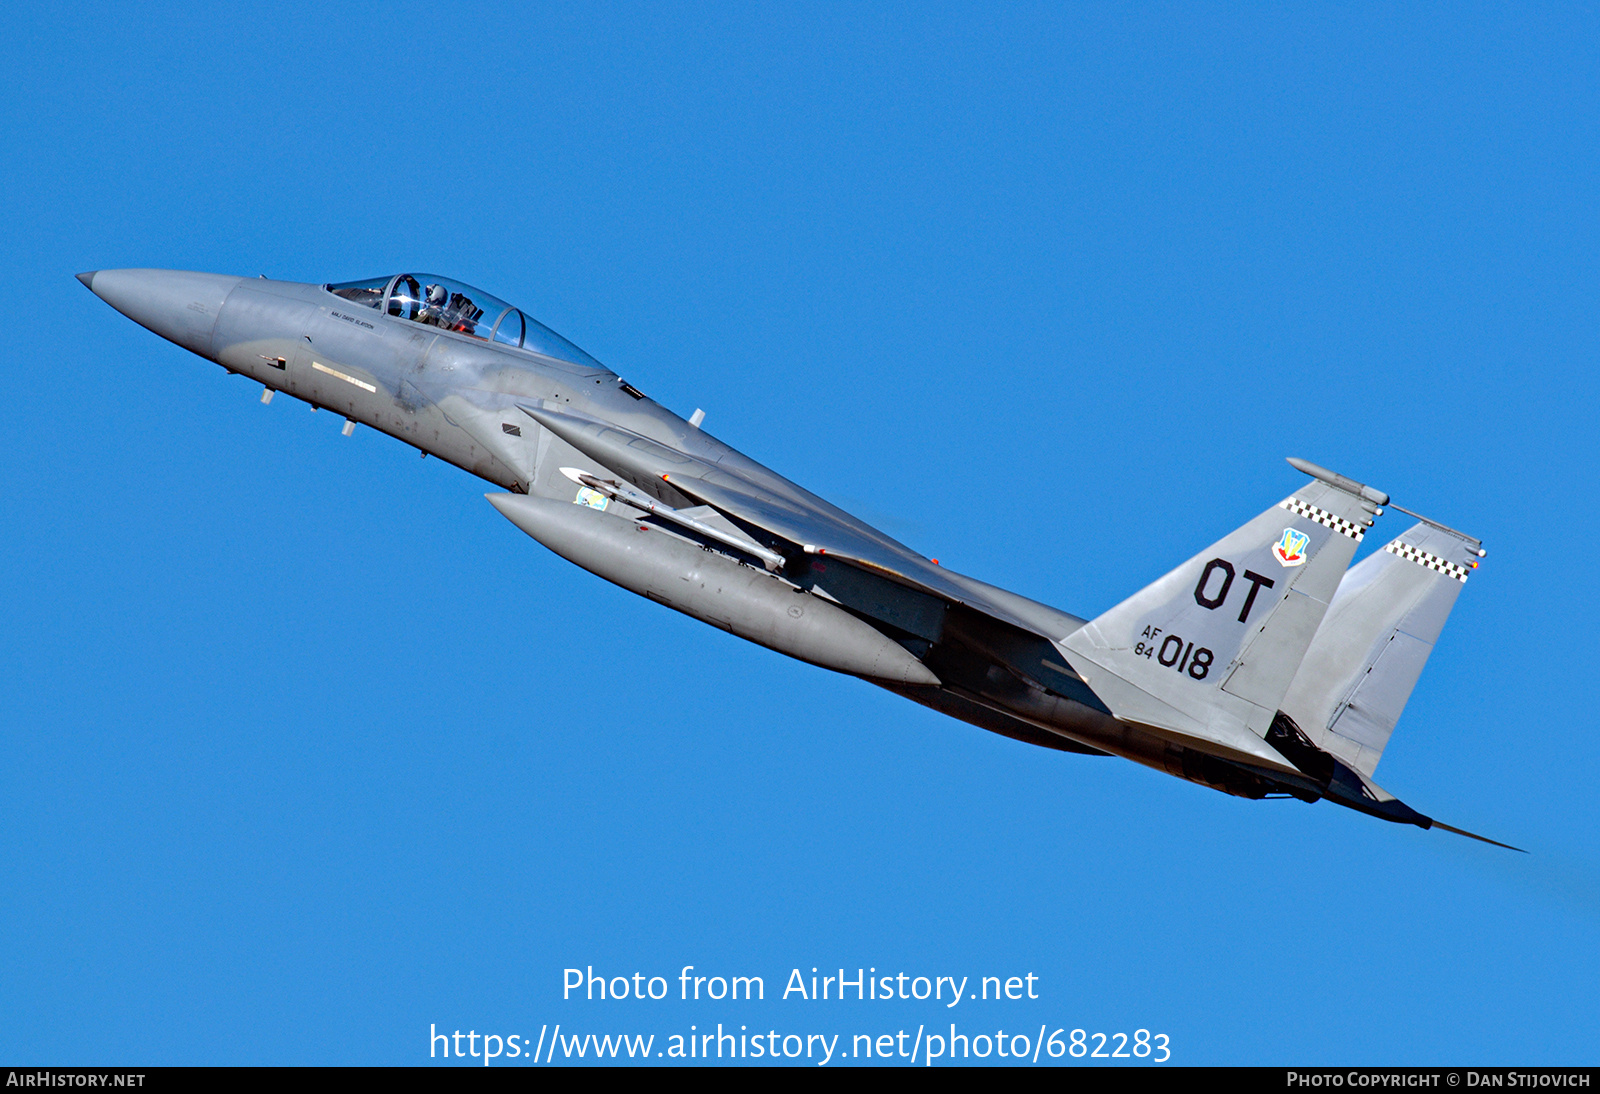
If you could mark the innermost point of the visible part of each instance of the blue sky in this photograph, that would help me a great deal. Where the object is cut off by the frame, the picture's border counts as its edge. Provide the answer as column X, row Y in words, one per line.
column 307, row 748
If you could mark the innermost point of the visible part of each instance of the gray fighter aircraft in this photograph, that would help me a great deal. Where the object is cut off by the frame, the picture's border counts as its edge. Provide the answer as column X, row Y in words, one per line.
column 1261, row 667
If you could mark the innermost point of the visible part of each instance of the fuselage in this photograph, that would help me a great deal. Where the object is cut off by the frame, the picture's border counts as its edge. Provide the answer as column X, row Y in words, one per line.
column 450, row 394
column 426, row 385
column 467, row 379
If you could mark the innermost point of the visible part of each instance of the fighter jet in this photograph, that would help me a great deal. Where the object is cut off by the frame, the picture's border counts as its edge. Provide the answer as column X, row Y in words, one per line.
column 1264, row 666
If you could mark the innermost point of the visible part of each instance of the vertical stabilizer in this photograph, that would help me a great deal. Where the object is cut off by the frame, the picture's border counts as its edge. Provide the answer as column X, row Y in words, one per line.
column 1209, row 650
column 1371, row 648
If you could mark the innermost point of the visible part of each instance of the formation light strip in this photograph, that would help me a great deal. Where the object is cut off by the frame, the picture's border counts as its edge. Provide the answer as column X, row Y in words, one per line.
column 362, row 384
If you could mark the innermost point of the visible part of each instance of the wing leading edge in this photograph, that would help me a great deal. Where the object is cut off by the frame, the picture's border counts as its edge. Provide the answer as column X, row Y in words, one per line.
column 803, row 522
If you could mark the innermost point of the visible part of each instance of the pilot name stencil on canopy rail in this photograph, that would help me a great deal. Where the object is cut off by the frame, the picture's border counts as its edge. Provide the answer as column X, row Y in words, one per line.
column 1264, row 666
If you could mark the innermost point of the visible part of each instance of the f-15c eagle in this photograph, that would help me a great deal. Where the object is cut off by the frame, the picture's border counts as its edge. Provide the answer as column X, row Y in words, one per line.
column 1263, row 666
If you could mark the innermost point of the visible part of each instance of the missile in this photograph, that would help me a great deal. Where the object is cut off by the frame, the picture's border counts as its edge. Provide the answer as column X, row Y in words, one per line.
column 713, row 588
column 611, row 488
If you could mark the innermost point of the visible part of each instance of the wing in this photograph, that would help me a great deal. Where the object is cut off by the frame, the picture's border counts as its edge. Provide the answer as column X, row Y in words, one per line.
column 797, row 523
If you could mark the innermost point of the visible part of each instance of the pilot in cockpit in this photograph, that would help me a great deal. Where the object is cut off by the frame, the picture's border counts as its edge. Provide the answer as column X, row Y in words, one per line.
column 433, row 306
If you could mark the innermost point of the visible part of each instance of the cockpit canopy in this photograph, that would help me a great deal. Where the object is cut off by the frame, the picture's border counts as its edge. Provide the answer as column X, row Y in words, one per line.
column 450, row 305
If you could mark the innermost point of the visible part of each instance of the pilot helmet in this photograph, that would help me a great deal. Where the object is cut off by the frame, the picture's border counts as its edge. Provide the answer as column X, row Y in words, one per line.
column 437, row 295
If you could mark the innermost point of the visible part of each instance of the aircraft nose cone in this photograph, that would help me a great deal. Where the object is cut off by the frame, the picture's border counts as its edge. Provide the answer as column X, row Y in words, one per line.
column 180, row 306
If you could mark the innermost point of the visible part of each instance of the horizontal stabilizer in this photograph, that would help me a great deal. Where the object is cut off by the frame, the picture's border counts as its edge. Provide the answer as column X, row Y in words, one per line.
column 1474, row 835
column 1357, row 791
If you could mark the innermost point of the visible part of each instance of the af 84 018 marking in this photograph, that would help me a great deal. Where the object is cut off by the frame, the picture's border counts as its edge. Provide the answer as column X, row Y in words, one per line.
column 1174, row 653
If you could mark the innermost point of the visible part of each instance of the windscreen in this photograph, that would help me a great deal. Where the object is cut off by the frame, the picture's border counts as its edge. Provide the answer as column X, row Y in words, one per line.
column 450, row 305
